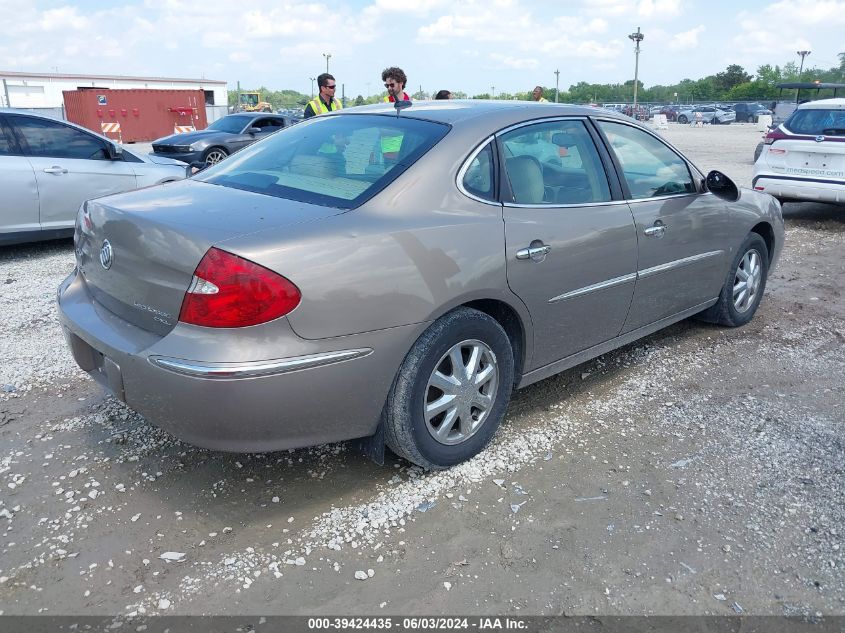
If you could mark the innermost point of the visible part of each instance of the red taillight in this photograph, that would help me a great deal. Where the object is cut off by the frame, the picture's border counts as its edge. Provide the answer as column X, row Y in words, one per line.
column 229, row 291
column 774, row 135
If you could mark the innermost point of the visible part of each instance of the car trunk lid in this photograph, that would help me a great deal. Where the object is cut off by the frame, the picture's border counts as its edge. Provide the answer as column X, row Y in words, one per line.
column 809, row 158
column 137, row 252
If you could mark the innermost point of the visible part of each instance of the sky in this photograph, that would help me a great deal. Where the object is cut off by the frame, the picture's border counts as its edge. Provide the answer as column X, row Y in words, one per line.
column 467, row 45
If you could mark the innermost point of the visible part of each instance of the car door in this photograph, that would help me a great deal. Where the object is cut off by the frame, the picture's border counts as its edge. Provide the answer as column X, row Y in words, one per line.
column 70, row 166
column 571, row 247
column 19, row 210
column 682, row 230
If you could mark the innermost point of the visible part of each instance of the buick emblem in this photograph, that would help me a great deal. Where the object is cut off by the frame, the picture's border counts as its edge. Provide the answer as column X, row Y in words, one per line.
column 819, row 139
column 106, row 255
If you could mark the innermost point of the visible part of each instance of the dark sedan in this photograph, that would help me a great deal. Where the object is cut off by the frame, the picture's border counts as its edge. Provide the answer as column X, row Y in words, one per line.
column 221, row 138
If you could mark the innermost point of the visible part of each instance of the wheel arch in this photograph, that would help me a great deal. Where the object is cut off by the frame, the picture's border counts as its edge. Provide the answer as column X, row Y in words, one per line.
column 765, row 230
column 513, row 325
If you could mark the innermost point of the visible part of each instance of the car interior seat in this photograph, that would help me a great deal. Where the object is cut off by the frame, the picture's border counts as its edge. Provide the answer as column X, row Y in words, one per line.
column 526, row 178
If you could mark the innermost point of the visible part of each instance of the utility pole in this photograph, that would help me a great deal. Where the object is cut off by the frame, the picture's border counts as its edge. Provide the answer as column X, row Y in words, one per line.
column 557, row 82
column 328, row 56
column 636, row 38
column 801, row 68
column 313, row 79
column 492, row 92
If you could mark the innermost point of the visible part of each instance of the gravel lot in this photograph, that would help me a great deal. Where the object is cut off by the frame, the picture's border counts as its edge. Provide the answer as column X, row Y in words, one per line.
column 698, row 471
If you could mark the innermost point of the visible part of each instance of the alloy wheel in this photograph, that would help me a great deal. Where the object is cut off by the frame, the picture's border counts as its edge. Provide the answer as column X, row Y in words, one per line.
column 747, row 281
column 215, row 156
column 460, row 392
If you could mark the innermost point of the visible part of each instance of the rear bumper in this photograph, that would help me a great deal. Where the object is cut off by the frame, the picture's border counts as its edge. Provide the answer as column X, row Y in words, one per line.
column 301, row 394
column 799, row 188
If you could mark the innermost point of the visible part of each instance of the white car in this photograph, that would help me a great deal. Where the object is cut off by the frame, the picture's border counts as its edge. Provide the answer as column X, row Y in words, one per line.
column 48, row 168
column 803, row 158
column 709, row 114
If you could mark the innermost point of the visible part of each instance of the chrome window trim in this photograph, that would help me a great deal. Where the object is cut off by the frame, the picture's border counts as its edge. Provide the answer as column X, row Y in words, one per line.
column 572, row 117
column 670, row 197
column 678, row 263
column 459, row 180
column 198, row 369
column 552, row 205
column 609, row 283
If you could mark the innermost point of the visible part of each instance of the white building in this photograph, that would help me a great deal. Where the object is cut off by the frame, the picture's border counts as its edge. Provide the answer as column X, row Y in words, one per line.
column 44, row 90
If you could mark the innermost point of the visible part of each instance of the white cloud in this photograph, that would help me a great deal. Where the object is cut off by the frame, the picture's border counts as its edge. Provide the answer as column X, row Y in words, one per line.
column 514, row 62
column 687, row 39
column 659, row 8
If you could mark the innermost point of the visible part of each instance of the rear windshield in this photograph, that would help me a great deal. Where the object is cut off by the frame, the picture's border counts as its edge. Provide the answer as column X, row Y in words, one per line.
column 336, row 161
column 817, row 122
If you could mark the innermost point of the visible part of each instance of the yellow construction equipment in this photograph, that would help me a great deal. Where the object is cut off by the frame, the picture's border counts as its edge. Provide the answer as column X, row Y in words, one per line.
column 251, row 102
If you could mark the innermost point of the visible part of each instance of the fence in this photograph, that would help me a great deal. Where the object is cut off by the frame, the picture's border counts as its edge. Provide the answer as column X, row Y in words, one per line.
column 212, row 112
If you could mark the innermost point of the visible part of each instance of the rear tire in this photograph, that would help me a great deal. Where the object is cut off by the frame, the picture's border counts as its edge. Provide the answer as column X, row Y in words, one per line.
column 451, row 392
column 744, row 286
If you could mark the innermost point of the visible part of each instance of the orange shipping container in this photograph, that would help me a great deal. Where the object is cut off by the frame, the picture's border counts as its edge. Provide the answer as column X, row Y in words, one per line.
column 134, row 115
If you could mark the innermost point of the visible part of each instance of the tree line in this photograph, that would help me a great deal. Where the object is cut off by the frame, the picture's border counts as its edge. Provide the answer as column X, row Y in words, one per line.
column 732, row 84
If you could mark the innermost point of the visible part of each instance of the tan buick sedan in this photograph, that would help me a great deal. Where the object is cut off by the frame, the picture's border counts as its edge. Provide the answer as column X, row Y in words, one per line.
column 393, row 274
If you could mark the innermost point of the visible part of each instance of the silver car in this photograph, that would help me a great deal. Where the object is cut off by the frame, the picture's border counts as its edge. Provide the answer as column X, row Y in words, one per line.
column 393, row 274
column 48, row 168
column 709, row 114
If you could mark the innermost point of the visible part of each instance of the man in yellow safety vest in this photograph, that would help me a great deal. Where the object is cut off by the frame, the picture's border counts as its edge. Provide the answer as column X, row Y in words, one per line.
column 325, row 101
column 537, row 95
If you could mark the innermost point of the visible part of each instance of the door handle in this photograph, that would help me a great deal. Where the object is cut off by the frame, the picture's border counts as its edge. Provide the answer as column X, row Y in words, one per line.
column 55, row 169
column 533, row 252
column 655, row 231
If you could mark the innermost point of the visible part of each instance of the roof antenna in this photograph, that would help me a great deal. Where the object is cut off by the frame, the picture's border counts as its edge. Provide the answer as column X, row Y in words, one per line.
column 401, row 105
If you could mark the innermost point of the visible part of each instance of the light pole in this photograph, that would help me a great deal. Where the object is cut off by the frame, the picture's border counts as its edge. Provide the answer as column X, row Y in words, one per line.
column 557, row 83
column 328, row 56
column 312, row 86
column 637, row 38
column 492, row 92
column 801, row 68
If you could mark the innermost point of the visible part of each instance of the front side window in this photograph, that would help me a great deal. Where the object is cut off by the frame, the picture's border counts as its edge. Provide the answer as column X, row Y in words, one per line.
column 554, row 163
column 6, row 146
column 650, row 167
column 817, row 121
column 337, row 161
column 231, row 124
column 57, row 140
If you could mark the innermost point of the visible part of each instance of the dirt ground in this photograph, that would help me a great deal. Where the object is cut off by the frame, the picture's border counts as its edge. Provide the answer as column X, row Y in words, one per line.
column 698, row 471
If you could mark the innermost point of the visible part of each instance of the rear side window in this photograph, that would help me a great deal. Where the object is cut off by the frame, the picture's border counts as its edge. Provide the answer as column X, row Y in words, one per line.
column 57, row 140
column 479, row 177
column 336, row 161
column 650, row 167
column 815, row 122
column 554, row 163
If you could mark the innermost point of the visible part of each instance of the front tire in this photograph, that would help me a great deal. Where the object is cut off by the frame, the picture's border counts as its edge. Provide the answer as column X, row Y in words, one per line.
column 451, row 392
column 214, row 155
column 683, row 119
column 744, row 286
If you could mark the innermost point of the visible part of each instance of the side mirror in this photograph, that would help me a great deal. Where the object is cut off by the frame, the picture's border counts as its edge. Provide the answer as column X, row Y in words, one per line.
column 721, row 186
column 114, row 150
column 253, row 130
